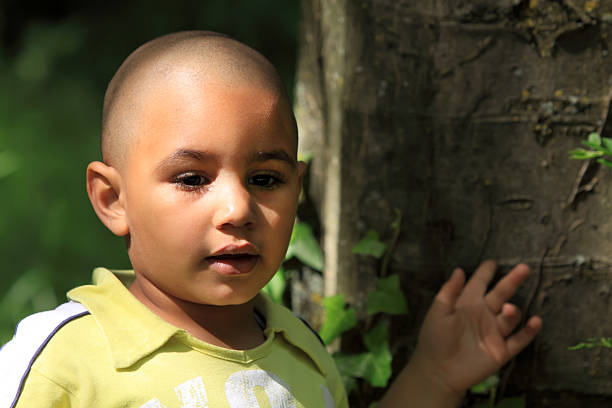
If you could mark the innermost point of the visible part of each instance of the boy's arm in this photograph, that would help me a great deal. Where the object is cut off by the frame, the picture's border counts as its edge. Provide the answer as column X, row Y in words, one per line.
column 467, row 335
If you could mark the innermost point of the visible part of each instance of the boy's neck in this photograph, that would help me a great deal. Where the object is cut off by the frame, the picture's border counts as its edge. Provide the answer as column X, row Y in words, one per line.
column 232, row 327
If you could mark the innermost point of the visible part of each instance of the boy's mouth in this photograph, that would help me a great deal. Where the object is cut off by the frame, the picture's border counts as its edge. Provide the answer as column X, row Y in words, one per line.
column 234, row 260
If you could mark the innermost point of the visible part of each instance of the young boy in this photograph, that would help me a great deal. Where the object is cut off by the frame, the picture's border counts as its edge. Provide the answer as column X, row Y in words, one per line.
column 200, row 176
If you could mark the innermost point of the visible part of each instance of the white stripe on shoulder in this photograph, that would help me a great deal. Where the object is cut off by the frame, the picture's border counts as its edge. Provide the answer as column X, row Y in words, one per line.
column 31, row 336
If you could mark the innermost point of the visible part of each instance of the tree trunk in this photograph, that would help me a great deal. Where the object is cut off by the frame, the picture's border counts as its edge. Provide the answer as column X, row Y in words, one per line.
column 459, row 116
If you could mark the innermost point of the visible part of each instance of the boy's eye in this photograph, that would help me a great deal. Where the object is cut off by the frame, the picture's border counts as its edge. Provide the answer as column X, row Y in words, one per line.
column 191, row 180
column 265, row 180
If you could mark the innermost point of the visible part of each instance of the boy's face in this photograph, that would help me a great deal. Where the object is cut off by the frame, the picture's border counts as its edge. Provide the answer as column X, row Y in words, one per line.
column 211, row 188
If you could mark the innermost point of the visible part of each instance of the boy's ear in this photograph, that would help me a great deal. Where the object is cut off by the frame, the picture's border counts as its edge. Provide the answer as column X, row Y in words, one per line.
column 104, row 190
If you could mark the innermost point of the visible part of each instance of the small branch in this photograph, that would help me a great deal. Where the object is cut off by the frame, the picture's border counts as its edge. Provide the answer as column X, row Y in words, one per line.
column 589, row 186
column 576, row 188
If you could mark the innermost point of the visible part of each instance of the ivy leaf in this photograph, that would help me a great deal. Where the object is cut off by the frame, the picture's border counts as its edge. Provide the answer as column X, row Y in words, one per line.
column 582, row 154
column 373, row 366
column 304, row 246
column 517, row 402
column 370, row 245
column 591, row 343
column 607, row 142
column 594, row 146
column 597, row 147
column 487, row 385
column 377, row 338
column 594, row 139
column 275, row 288
column 605, row 162
column 338, row 318
column 578, row 346
column 388, row 297
column 353, row 365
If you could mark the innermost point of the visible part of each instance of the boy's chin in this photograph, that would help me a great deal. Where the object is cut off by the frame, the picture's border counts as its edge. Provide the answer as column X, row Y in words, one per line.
column 227, row 300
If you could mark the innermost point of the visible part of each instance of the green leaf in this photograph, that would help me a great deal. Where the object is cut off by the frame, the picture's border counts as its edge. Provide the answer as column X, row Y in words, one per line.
column 275, row 288
column 387, row 298
column 338, row 318
column 305, row 156
column 591, row 343
column 594, row 139
column 377, row 342
column 577, row 154
column 487, row 385
column 370, row 245
column 605, row 162
column 607, row 142
column 517, row 402
column 304, row 246
column 377, row 338
column 582, row 154
column 375, row 368
column 596, row 147
column 352, row 365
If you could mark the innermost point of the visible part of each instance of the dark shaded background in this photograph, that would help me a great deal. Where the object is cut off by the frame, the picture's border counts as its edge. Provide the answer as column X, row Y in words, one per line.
column 55, row 61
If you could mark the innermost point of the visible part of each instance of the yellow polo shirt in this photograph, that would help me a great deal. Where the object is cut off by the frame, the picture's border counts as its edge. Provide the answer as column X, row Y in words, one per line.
column 123, row 355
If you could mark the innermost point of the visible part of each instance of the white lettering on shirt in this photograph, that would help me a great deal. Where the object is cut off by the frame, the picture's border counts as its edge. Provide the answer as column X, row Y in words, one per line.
column 191, row 393
column 154, row 403
column 240, row 390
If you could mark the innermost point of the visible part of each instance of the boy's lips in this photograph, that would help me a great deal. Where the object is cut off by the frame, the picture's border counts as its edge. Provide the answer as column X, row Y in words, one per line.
column 234, row 259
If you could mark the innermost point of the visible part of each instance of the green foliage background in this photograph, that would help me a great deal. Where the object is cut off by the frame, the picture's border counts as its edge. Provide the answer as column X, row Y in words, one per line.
column 55, row 61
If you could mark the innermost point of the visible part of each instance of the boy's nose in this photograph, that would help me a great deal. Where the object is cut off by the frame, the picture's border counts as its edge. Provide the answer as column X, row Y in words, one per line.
column 235, row 207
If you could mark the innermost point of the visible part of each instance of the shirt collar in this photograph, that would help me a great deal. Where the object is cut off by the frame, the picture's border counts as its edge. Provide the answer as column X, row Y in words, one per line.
column 281, row 320
column 133, row 331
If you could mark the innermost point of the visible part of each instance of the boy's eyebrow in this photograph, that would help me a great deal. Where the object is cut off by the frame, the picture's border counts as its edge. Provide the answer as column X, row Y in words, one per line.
column 279, row 154
column 180, row 155
column 190, row 154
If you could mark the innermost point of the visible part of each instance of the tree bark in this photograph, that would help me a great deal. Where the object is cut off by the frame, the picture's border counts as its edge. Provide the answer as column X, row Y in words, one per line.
column 459, row 116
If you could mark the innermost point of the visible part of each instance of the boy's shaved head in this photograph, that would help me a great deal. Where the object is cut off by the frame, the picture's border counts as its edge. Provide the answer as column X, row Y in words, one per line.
column 192, row 56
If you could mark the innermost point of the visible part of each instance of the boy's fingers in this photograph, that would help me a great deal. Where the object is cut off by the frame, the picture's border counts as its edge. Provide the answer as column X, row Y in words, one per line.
column 477, row 285
column 446, row 298
column 508, row 319
column 520, row 340
column 506, row 287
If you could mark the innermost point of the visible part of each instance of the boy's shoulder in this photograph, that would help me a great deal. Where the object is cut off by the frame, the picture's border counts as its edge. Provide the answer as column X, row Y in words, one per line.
column 34, row 336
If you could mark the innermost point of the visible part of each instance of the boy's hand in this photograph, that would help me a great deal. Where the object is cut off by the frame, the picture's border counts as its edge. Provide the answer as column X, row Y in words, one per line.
column 468, row 334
